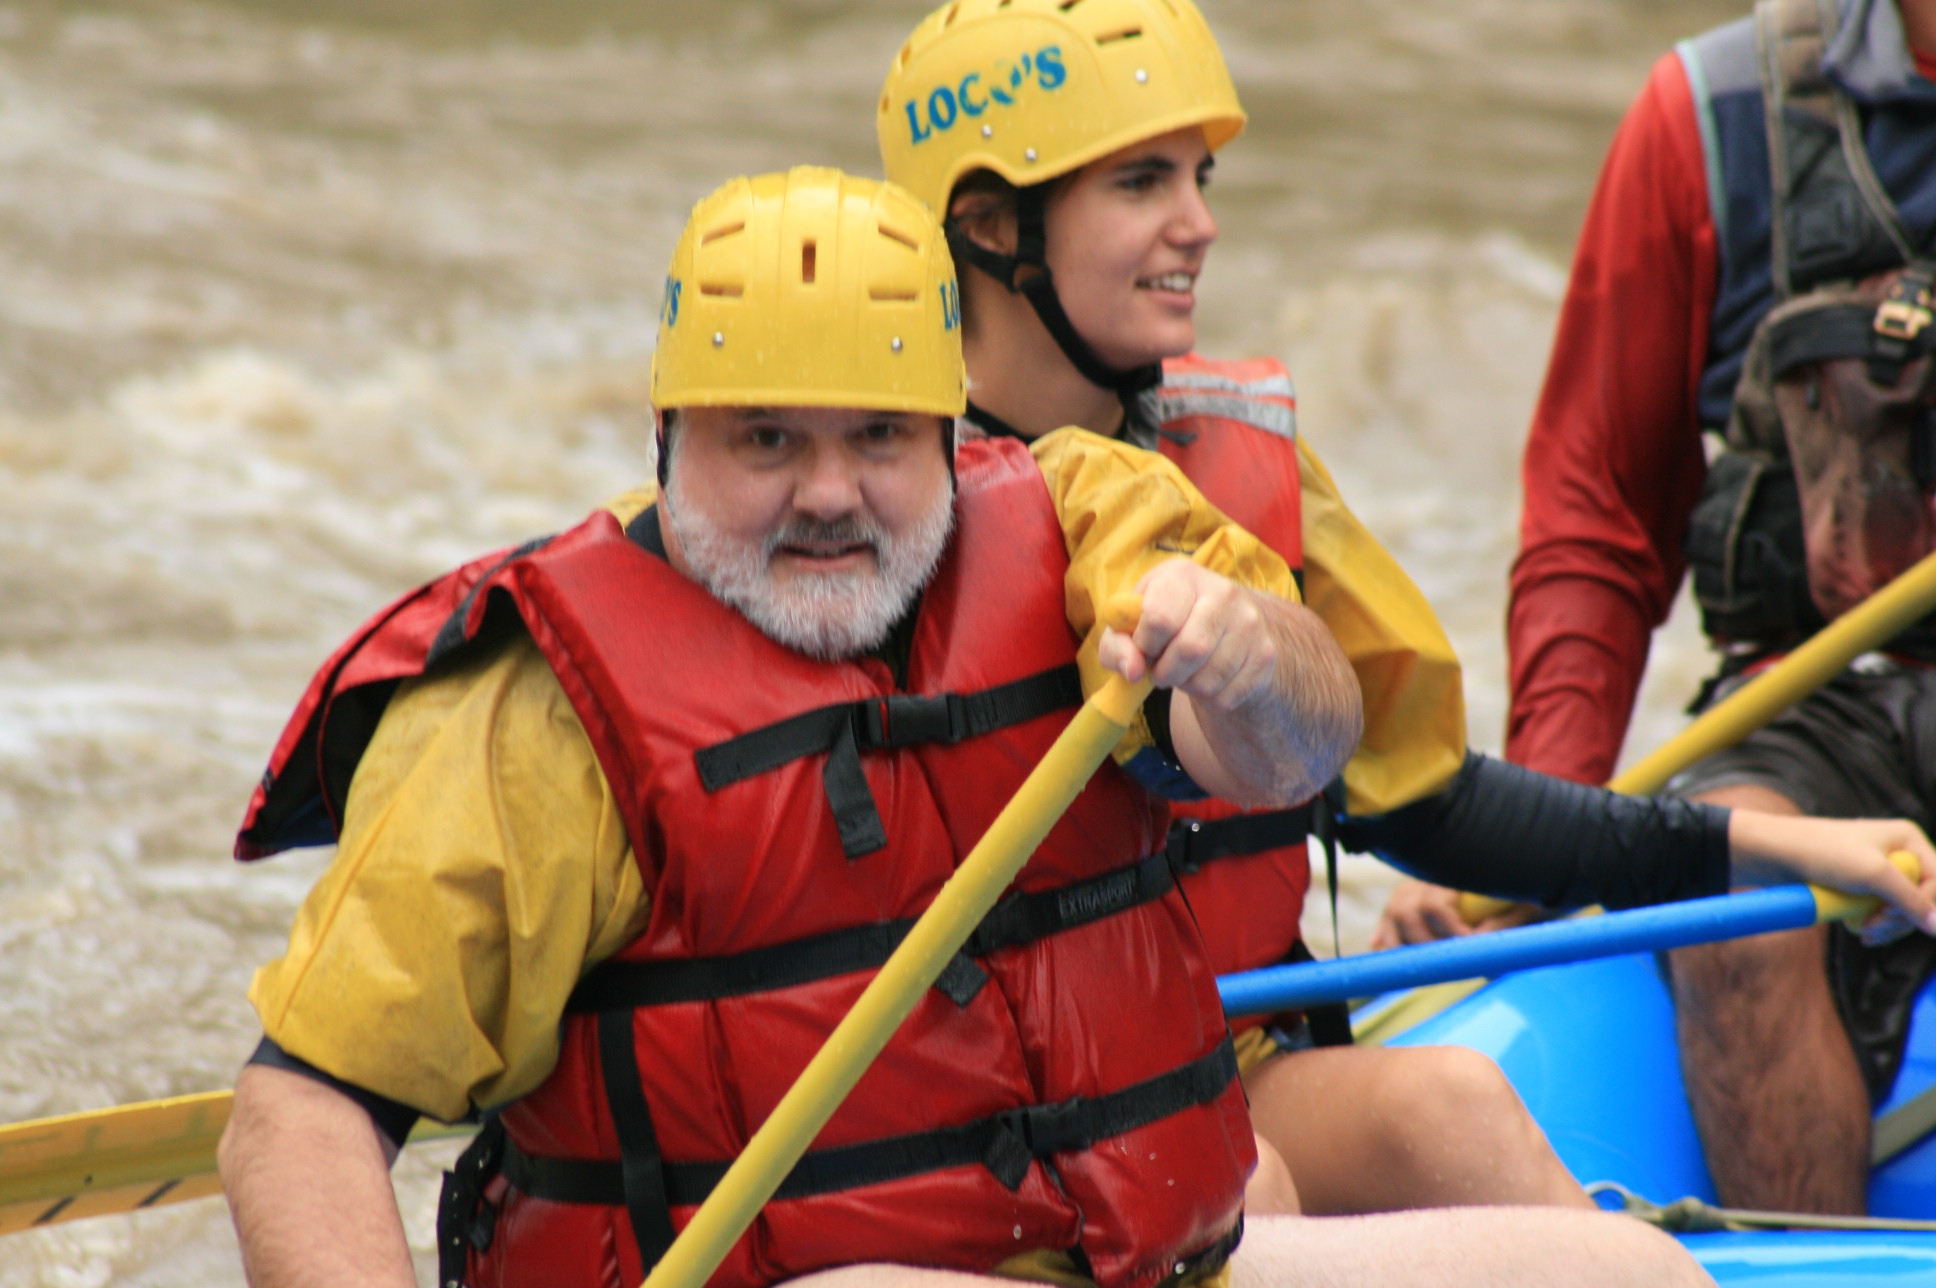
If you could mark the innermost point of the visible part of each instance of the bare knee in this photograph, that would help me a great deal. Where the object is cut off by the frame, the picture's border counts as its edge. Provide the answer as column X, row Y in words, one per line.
column 1449, row 1091
column 1271, row 1191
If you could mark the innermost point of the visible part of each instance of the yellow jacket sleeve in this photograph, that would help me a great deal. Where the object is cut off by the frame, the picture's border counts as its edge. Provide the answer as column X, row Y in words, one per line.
column 483, row 866
column 1414, row 693
column 1123, row 511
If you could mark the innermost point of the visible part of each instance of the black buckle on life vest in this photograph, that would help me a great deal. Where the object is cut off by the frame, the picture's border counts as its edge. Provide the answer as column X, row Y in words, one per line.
column 844, row 729
column 1007, row 1144
column 465, row 1220
column 905, row 719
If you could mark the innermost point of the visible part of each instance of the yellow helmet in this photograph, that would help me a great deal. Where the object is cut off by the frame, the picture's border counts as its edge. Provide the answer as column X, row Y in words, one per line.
column 811, row 288
column 1033, row 89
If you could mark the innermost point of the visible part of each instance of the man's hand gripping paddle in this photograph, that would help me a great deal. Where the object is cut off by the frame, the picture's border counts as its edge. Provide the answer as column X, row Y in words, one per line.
column 910, row 972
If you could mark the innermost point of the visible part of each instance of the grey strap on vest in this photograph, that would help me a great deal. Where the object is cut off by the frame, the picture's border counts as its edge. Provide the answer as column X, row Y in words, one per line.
column 1827, row 198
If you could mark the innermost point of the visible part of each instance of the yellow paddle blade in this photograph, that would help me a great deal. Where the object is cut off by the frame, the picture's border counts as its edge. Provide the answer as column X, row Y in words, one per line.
column 110, row 1160
column 107, row 1161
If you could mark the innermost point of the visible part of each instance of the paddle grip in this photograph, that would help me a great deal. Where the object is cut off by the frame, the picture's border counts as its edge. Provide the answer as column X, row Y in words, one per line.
column 1840, row 905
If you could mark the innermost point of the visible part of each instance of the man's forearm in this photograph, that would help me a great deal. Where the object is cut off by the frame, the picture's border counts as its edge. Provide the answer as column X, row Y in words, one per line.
column 307, row 1176
column 1281, row 743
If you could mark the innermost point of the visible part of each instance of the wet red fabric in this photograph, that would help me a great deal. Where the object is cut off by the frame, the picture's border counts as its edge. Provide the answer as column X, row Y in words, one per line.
column 758, row 862
column 1614, row 459
column 1249, row 905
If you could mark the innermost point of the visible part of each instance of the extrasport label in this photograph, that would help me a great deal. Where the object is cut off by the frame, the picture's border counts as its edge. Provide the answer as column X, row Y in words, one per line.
column 950, row 304
column 669, row 303
column 946, row 106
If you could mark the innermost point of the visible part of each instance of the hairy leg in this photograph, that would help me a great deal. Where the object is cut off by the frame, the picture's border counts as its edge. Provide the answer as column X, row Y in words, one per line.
column 1775, row 1088
column 1378, row 1129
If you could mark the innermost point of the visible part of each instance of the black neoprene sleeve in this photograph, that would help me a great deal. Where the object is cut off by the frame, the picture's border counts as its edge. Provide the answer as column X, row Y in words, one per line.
column 393, row 1118
column 1503, row 830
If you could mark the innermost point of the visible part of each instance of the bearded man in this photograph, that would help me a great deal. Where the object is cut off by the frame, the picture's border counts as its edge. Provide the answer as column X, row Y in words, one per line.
column 630, row 816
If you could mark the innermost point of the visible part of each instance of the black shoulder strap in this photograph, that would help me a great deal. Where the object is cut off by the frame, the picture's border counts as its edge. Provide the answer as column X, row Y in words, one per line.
column 845, row 729
column 643, row 531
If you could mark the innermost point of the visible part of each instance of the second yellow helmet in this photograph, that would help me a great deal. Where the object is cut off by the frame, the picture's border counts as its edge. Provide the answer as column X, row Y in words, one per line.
column 1033, row 89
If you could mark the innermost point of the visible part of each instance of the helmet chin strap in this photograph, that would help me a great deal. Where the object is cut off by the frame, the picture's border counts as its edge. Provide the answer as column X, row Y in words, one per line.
column 1038, row 288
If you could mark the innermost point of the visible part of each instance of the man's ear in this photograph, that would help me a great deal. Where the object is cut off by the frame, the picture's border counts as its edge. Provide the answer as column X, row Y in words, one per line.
column 986, row 219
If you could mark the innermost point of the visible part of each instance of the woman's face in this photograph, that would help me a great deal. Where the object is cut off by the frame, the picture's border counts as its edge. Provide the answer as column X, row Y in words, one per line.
column 1127, row 236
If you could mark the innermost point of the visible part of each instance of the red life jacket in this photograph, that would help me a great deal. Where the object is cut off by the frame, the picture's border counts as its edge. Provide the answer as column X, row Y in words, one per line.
column 1068, row 1084
column 1231, row 427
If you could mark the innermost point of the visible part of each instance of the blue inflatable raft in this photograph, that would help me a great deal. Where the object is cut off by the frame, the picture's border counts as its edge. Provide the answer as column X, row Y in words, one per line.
column 1590, row 1048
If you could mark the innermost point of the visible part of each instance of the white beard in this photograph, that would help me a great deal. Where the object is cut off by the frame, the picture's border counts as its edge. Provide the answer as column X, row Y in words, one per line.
column 827, row 616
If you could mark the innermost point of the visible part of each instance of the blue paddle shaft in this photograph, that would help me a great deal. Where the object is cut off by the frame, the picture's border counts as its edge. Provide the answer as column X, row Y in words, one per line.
column 1672, row 925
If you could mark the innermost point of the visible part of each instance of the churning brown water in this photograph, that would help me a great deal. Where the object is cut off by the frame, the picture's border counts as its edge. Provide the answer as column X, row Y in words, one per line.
column 302, row 301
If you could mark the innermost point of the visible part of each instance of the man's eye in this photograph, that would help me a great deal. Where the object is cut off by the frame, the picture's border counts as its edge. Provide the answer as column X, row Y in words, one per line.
column 767, row 440
column 881, row 430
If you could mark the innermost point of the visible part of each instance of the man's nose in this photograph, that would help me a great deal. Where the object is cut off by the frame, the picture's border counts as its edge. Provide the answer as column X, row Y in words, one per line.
column 829, row 485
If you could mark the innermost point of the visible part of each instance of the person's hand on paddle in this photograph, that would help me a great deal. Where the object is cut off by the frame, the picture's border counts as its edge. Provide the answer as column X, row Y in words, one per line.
column 1267, row 707
column 1419, row 912
column 1842, row 854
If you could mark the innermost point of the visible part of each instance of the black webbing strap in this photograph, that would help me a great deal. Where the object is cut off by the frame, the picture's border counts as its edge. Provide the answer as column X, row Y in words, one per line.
column 641, row 1169
column 1194, row 842
column 1329, row 1023
column 1325, row 808
column 1026, row 273
column 643, row 531
column 1020, row 918
column 845, row 729
column 464, row 1219
column 1005, row 1143
column 1840, row 331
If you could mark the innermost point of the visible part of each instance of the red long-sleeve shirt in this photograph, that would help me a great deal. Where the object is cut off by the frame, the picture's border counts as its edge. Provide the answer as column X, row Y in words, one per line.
column 1614, row 461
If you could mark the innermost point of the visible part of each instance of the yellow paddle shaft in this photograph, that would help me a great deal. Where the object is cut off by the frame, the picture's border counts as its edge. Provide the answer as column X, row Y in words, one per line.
column 909, row 973
column 1886, row 613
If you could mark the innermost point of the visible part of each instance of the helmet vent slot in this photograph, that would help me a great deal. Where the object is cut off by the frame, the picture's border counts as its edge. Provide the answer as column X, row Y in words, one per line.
column 809, row 252
column 895, row 234
column 1129, row 33
column 948, row 20
column 1067, row 5
column 731, row 290
column 878, row 293
column 712, row 235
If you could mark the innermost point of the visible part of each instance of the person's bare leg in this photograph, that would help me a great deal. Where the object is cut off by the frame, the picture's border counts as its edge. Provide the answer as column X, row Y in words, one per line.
column 1777, row 1095
column 1445, row 1248
column 1270, row 1190
column 1461, row 1248
column 1378, row 1129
